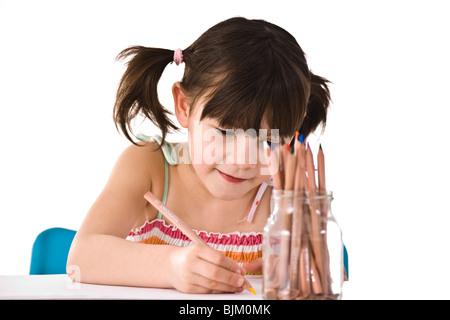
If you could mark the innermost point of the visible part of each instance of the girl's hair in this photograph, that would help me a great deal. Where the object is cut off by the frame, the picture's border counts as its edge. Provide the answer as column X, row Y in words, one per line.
column 248, row 70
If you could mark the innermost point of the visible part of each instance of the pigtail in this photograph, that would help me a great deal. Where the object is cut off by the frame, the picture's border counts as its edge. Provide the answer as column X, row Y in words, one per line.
column 137, row 92
column 317, row 107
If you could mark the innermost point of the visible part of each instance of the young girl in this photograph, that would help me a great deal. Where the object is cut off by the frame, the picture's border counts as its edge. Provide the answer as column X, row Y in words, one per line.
column 240, row 74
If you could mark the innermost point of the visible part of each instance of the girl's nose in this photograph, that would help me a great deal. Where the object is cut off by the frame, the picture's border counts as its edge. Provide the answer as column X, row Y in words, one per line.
column 246, row 165
column 245, row 152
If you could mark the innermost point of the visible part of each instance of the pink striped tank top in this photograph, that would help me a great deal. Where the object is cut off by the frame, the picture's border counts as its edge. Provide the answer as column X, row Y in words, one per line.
column 242, row 247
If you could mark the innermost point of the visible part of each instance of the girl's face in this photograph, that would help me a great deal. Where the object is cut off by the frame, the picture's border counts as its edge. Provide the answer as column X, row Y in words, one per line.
column 230, row 162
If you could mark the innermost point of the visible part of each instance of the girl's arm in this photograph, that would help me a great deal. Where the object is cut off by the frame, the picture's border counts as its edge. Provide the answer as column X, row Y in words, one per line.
column 99, row 249
column 102, row 255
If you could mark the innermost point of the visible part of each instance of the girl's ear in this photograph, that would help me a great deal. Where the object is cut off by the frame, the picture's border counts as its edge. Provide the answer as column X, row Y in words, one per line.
column 181, row 105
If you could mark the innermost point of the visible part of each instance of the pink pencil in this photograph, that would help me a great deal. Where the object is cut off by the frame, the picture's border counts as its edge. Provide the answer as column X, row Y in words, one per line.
column 175, row 220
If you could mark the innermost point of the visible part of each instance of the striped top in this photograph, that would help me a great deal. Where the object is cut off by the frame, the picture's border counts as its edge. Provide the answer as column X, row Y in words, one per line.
column 241, row 247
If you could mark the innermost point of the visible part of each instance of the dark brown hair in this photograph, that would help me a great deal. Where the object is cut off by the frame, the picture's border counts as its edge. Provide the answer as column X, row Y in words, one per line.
column 246, row 69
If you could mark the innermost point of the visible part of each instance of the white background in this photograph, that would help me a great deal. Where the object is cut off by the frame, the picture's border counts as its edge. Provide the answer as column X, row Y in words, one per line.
column 385, row 142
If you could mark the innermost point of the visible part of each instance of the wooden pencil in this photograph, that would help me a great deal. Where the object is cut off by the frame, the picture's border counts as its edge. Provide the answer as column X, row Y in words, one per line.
column 321, row 169
column 304, row 270
column 315, row 215
column 316, row 281
column 273, row 274
column 282, row 162
column 289, row 168
column 307, row 242
column 180, row 224
column 274, row 155
column 324, row 212
column 297, row 215
column 322, row 183
column 286, row 224
column 300, row 176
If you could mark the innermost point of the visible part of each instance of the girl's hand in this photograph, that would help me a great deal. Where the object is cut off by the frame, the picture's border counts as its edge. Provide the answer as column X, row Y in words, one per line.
column 201, row 269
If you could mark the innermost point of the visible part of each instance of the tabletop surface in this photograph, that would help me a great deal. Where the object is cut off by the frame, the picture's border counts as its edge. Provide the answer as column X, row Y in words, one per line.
column 60, row 286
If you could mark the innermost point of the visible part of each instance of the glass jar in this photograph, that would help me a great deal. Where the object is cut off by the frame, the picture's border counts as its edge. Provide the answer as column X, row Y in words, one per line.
column 302, row 248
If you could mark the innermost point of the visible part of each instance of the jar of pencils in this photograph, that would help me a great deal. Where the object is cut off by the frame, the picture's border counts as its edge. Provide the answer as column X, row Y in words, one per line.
column 302, row 248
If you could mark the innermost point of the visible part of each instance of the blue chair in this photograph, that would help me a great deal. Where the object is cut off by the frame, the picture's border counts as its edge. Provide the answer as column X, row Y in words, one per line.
column 50, row 251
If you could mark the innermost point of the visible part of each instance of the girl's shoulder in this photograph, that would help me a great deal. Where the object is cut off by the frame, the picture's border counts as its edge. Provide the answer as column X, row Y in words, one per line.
column 146, row 155
column 170, row 150
column 141, row 165
column 143, row 153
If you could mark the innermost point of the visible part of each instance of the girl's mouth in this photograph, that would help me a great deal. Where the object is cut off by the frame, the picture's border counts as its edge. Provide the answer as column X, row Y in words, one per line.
column 231, row 178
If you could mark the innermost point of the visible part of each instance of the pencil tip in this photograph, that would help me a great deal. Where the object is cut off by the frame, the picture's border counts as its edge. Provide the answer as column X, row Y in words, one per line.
column 301, row 138
column 308, row 145
column 253, row 291
column 320, row 146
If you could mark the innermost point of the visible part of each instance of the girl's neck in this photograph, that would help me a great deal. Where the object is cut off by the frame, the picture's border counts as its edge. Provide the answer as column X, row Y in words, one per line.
column 203, row 209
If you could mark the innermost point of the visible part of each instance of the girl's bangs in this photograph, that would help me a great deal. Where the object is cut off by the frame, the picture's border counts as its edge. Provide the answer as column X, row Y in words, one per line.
column 243, row 104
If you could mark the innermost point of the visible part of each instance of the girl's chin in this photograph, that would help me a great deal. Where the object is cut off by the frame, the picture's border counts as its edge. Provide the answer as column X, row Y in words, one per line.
column 226, row 191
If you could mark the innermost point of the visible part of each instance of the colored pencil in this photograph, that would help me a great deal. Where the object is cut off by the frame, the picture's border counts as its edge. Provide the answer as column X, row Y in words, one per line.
column 324, row 211
column 272, row 154
column 297, row 215
column 304, row 271
column 303, row 268
column 286, row 225
column 315, row 215
column 180, row 224
column 321, row 169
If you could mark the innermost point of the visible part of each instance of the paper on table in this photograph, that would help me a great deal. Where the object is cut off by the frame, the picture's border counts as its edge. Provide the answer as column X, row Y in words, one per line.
column 59, row 286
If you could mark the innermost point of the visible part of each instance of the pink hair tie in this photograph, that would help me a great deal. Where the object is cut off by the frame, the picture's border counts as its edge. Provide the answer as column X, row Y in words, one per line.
column 178, row 56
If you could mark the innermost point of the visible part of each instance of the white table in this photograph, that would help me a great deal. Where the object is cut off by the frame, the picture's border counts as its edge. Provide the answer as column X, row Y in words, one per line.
column 46, row 287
